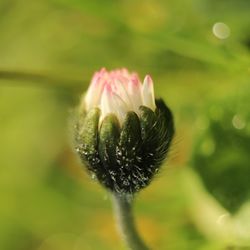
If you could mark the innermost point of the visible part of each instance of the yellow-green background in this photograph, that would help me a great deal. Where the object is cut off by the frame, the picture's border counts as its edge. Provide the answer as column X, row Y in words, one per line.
column 49, row 50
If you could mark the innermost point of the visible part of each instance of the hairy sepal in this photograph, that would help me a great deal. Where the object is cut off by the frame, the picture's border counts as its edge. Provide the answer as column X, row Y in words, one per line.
column 125, row 158
column 87, row 140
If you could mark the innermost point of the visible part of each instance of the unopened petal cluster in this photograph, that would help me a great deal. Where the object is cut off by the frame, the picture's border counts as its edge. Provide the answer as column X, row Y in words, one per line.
column 118, row 92
column 123, row 133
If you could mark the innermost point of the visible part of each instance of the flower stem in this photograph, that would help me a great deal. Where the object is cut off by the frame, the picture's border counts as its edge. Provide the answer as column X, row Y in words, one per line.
column 125, row 222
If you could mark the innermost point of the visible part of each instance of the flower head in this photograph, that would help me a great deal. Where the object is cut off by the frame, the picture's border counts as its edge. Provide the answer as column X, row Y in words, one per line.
column 123, row 134
column 118, row 92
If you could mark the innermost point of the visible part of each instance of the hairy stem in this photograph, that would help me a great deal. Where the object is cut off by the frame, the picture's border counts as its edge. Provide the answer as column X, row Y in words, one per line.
column 125, row 222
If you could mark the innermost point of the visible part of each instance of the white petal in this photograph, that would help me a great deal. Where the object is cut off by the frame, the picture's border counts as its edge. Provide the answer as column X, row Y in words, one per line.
column 112, row 103
column 90, row 96
column 122, row 92
column 135, row 93
column 120, row 108
column 106, row 101
column 93, row 95
column 148, row 93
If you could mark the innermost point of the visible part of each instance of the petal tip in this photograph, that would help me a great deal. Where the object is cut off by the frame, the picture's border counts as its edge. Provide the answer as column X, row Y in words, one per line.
column 148, row 80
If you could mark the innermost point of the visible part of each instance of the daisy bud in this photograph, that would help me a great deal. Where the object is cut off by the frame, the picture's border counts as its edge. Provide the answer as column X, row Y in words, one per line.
column 123, row 133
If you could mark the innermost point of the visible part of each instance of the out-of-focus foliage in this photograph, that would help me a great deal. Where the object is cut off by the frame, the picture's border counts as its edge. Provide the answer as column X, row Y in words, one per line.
column 50, row 49
column 221, row 156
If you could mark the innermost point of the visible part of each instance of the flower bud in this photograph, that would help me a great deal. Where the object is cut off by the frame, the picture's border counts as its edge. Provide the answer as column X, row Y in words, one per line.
column 123, row 134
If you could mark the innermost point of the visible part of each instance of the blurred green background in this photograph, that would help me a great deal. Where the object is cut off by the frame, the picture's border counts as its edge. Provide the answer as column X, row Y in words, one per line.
column 198, row 53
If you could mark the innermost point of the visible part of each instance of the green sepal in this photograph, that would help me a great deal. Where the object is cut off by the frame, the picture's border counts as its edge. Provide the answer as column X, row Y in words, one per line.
column 87, row 139
column 130, row 141
column 131, row 176
column 147, row 120
column 131, row 131
column 157, row 133
column 164, row 113
column 108, row 139
column 89, row 130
